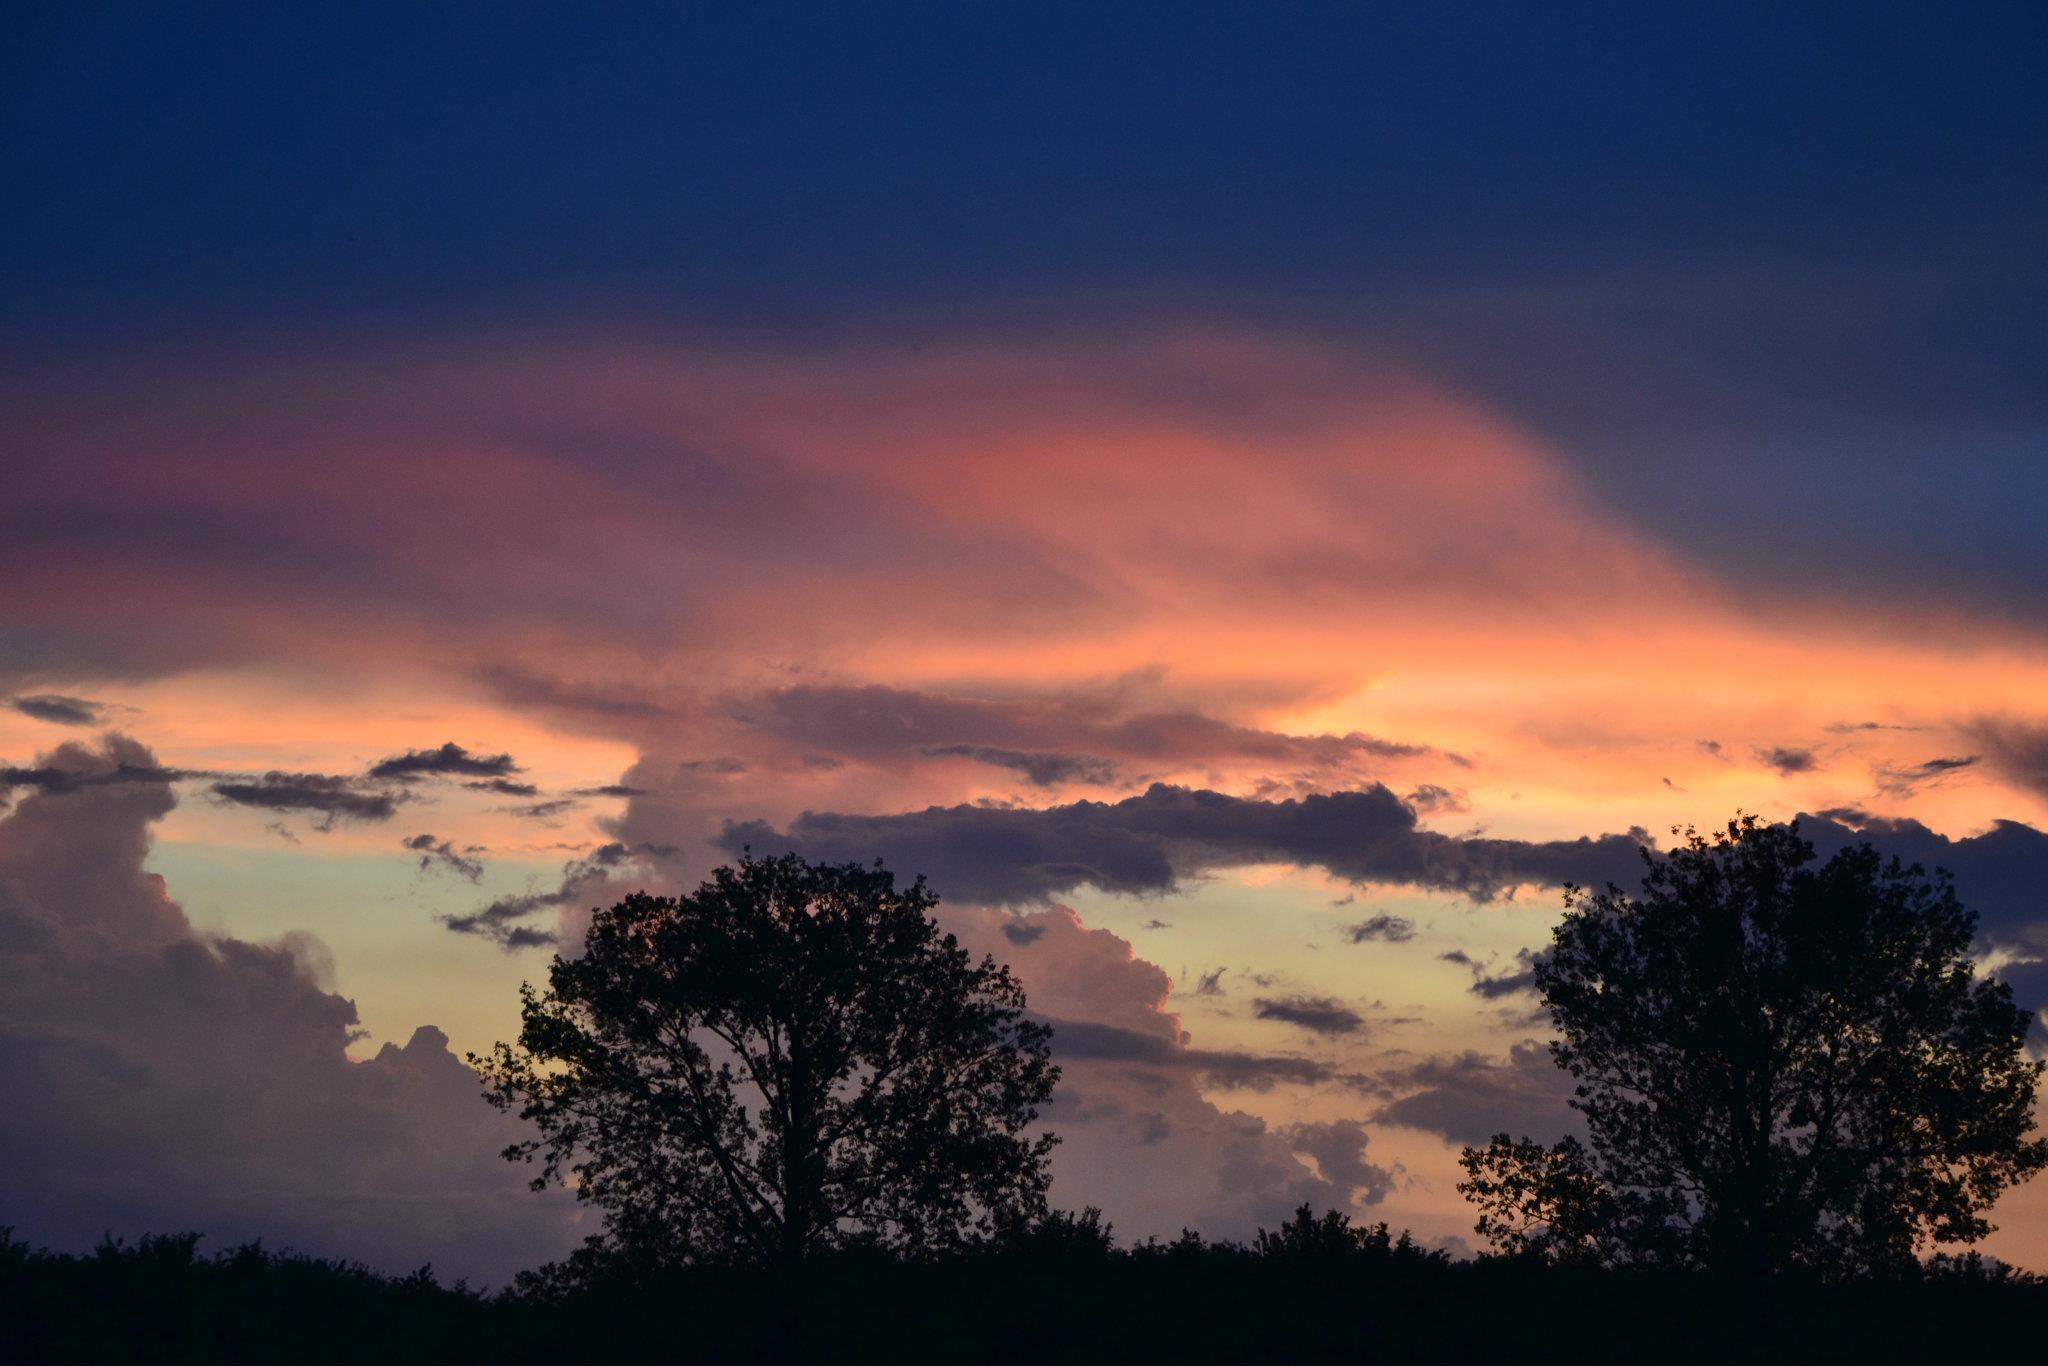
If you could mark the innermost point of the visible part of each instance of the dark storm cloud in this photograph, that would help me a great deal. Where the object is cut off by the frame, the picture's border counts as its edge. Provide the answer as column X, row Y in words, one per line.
column 450, row 760
column 1493, row 986
column 1788, row 760
column 507, row 920
column 1901, row 780
column 608, row 790
column 1040, row 769
column 1469, row 1097
column 331, row 797
column 2028, row 979
column 592, row 877
column 443, row 854
column 1049, row 741
column 1507, row 984
column 2018, row 750
column 1432, row 799
column 1391, row 928
column 1225, row 1069
column 541, row 811
column 2001, row 874
column 60, row 779
column 1151, row 842
column 60, row 710
column 1317, row 1014
column 504, row 787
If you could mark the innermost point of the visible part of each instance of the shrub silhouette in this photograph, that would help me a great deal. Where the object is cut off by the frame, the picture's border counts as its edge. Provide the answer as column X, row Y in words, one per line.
column 1331, row 1237
column 1780, row 1066
column 789, row 1060
column 1061, row 1236
column 1079, row 1299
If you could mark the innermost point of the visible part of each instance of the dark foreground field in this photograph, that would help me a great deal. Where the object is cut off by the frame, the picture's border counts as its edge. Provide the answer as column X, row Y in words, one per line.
column 161, row 1301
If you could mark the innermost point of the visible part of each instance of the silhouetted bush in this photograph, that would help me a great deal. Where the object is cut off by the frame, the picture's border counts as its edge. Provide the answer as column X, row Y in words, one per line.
column 1316, row 1289
column 161, row 1299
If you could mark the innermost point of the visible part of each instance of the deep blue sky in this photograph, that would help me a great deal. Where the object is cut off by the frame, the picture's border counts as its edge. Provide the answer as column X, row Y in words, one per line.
column 1745, row 262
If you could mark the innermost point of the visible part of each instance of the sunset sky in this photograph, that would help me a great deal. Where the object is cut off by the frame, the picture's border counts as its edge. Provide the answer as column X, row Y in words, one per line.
column 1247, row 501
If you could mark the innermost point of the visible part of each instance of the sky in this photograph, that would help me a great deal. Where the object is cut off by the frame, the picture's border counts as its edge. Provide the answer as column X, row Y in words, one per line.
column 1247, row 500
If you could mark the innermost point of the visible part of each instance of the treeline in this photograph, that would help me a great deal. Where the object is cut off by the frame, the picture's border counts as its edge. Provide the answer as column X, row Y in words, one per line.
column 1318, row 1289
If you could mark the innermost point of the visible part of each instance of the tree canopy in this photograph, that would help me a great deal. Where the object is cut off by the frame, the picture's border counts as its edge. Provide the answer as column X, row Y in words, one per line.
column 790, row 1059
column 1779, row 1065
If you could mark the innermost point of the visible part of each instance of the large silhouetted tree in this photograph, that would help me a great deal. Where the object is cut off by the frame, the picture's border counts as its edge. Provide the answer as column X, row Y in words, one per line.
column 1779, row 1065
column 791, row 1058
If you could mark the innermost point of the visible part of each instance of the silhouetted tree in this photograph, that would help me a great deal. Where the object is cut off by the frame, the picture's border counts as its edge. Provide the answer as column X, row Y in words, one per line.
column 790, row 1059
column 1306, row 1237
column 1309, row 1237
column 1779, row 1065
column 1546, row 1203
column 1060, row 1235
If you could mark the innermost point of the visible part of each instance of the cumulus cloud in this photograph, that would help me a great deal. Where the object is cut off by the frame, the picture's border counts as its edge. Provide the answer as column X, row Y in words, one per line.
column 1138, row 1137
column 162, row 1080
column 59, row 709
column 449, row 761
column 333, row 798
column 1151, row 842
column 1338, row 1146
column 1317, row 1014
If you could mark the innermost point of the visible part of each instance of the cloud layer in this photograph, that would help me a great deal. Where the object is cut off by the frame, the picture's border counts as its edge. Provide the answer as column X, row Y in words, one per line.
column 167, row 1080
column 1150, row 843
